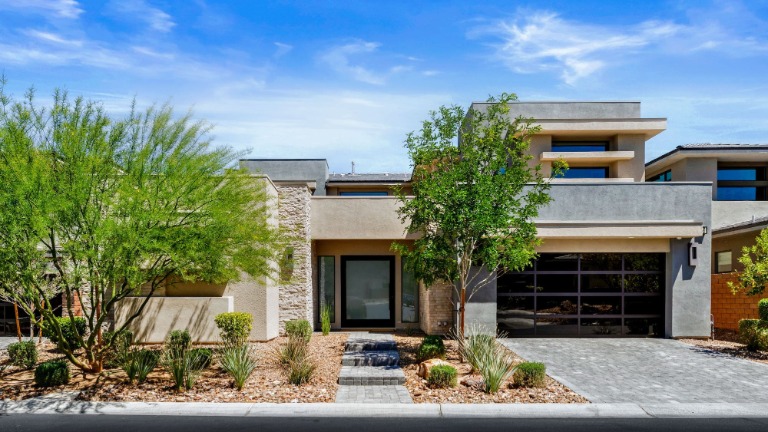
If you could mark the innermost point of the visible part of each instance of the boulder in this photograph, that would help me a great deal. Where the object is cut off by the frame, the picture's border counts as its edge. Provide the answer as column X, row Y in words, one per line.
column 426, row 365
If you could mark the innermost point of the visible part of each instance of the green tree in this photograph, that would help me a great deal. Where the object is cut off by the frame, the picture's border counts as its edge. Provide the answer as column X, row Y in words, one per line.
column 475, row 196
column 116, row 208
column 754, row 258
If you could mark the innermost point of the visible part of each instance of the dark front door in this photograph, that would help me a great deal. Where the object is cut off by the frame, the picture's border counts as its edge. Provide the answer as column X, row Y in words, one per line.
column 368, row 291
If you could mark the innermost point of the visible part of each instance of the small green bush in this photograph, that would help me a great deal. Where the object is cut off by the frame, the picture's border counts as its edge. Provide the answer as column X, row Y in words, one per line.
column 178, row 342
column 762, row 310
column 325, row 319
column 301, row 371
column 298, row 328
column 239, row 362
column 139, row 364
column 293, row 350
column 235, row 327
column 441, row 376
column 476, row 347
column 496, row 368
column 431, row 347
column 530, row 374
column 754, row 334
column 69, row 330
column 23, row 354
column 121, row 347
column 52, row 373
column 204, row 355
column 184, row 367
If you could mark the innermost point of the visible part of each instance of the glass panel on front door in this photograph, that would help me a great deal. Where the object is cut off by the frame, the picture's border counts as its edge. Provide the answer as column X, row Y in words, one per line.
column 368, row 291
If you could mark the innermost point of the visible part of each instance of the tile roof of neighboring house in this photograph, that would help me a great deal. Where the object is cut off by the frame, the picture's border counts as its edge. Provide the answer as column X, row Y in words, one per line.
column 751, row 223
column 370, row 178
column 709, row 146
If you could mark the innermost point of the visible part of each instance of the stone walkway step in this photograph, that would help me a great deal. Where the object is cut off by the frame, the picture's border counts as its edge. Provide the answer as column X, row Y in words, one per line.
column 373, row 394
column 371, row 375
column 371, row 358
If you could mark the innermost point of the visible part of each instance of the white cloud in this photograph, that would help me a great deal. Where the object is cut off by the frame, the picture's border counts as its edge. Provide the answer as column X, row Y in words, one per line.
column 69, row 9
column 544, row 41
column 338, row 58
column 155, row 18
column 52, row 37
column 282, row 49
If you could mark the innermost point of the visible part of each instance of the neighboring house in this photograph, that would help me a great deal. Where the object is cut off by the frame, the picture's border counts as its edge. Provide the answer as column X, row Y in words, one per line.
column 620, row 256
column 739, row 176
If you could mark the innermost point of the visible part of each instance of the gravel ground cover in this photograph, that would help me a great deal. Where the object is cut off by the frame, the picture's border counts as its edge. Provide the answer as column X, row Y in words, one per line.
column 267, row 384
column 469, row 389
column 727, row 342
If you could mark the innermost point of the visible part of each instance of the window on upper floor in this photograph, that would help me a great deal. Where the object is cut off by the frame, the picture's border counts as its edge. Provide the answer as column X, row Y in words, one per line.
column 724, row 261
column 585, row 173
column 364, row 193
column 666, row 176
column 579, row 146
column 741, row 183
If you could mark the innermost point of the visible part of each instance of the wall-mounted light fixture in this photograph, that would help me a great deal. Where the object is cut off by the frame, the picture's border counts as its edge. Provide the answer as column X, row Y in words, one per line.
column 705, row 230
column 693, row 253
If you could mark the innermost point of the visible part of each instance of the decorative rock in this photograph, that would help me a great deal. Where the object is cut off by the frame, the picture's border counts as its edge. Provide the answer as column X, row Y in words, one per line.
column 426, row 365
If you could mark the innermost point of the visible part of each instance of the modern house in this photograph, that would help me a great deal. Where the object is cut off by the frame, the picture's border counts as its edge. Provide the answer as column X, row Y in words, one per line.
column 739, row 177
column 620, row 256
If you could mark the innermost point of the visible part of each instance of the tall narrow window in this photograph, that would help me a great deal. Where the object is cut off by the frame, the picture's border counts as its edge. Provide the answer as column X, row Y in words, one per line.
column 410, row 300
column 326, row 280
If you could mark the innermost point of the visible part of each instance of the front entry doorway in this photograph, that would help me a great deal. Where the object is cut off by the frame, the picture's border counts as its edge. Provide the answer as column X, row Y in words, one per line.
column 368, row 291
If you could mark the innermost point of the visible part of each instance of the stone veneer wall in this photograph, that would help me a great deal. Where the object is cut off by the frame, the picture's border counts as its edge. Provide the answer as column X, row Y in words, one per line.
column 294, row 215
column 436, row 307
column 728, row 308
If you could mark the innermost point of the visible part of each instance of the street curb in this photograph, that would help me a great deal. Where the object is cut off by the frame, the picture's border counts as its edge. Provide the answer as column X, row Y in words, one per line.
column 328, row 410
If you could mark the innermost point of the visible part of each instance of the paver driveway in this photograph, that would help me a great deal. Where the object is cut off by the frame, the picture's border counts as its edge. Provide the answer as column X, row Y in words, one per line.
column 646, row 370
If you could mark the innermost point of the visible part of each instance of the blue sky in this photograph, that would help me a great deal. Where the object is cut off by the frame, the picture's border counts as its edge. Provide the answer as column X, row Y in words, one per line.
column 347, row 80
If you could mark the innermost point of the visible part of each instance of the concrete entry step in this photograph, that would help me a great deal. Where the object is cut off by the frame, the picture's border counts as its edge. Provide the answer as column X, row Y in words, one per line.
column 371, row 358
column 364, row 341
column 373, row 394
column 371, row 375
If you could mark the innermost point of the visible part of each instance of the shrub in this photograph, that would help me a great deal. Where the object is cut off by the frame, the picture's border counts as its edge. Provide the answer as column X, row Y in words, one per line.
column 530, row 374
column 754, row 334
column 139, row 364
column 239, row 363
column 762, row 310
column 23, row 354
column 295, row 349
column 235, row 327
column 496, row 368
column 204, row 355
column 476, row 347
column 298, row 328
column 184, row 368
column 69, row 330
column 325, row 319
column 441, row 376
column 179, row 342
column 301, row 371
column 121, row 348
column 52, row 373
column 431, row 347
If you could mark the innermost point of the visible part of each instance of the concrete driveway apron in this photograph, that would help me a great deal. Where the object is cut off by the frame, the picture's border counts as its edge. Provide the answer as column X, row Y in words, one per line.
column 646, row 370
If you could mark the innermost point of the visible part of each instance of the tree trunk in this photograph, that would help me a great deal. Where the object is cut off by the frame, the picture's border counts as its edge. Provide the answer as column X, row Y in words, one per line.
column 462, row 301
column 18, row 323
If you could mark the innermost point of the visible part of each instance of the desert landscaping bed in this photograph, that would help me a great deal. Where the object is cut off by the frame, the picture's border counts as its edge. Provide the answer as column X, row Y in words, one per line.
column 267, row 384
column 469, row 388
column 727, row 342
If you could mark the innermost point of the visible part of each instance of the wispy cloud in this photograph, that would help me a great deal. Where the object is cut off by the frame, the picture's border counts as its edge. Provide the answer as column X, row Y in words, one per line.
column 338, row 58
column 544, row 41
column 155, row 18
column 282, row 49
column 69, row 9
column 52, row 38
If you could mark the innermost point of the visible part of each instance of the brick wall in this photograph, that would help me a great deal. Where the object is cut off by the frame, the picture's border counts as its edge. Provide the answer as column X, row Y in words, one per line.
column 728, row 308
column 436, row 308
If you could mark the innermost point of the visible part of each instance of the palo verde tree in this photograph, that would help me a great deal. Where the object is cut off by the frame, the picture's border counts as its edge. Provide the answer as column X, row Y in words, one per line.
column 754, row 277
column 118, row 208
column 474, row 197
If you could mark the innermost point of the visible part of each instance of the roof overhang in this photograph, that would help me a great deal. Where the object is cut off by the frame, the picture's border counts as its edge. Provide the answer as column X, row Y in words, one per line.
column 724, row 154
column 650, row 127
column 619, row 229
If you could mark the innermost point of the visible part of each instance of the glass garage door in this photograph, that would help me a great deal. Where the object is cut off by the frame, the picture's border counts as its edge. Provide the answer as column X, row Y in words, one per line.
column 588, row 295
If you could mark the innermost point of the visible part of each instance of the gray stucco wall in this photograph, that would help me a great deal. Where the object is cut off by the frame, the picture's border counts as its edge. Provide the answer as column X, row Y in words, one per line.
column 572, row 110
column 285, row 170
column 480, row 308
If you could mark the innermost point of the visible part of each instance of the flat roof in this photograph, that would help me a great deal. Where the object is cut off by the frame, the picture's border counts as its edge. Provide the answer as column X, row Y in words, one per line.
column 704, row 148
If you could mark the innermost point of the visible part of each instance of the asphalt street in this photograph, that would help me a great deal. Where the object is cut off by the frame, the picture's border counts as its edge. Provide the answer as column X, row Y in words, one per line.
column 117, row 423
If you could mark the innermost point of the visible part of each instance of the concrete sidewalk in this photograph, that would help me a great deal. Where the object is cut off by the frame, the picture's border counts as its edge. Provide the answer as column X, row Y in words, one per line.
column 328, row 410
